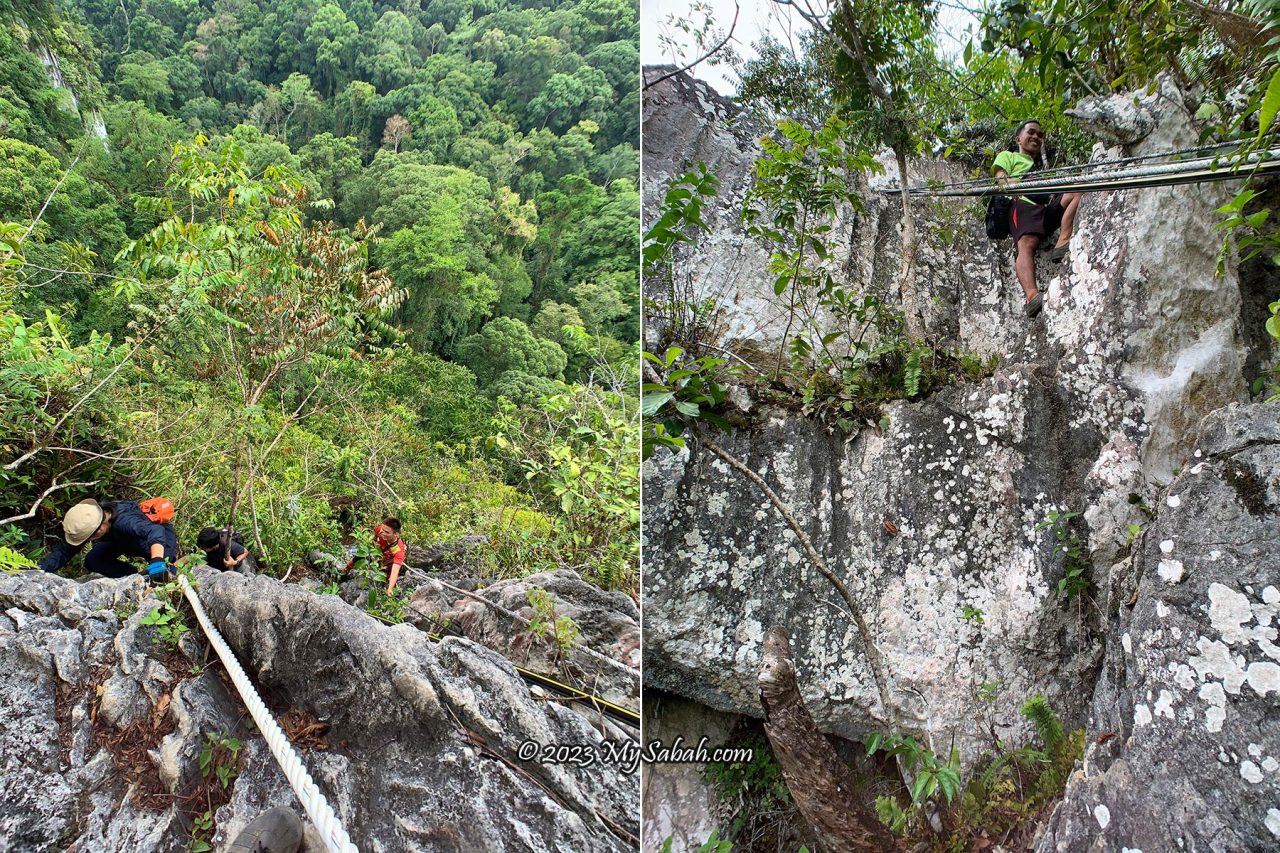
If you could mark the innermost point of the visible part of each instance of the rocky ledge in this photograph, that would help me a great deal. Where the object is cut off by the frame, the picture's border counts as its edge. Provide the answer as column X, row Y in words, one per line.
column 415, row 743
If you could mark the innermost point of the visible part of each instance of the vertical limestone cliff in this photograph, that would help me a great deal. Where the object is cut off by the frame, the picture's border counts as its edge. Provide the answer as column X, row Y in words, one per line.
column 1096, row 407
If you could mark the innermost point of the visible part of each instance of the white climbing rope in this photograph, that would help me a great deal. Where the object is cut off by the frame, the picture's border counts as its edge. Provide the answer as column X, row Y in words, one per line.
column 316, row 806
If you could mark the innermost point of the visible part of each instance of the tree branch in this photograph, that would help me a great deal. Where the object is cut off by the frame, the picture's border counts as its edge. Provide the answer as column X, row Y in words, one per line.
column 704, row 57
column 31, row 513
column 868, row 642
column 818, row 781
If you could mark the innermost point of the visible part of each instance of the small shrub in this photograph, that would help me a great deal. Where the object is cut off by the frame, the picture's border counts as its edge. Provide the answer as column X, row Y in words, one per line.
column 1068, row 544
column 219, row 757
column 167, row 618
column 754, row 789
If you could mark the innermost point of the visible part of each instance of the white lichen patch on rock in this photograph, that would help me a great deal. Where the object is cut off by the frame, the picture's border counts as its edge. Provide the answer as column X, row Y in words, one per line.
column 1091, row 410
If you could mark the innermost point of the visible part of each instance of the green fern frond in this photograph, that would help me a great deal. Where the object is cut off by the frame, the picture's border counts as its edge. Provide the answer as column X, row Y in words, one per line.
column 1023, row 757
column 1048, row 726
column 911, row 379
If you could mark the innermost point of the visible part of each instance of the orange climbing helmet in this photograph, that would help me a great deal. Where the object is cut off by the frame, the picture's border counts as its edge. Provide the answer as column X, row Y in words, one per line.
column 159, row 510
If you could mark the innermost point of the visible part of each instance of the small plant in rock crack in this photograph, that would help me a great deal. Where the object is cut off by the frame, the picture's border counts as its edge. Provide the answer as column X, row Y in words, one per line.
column 972, row 614
column 201, row 829
column 561, row 630
column 1067, row 543
column 219, row 757
column 1137, row 501
column 932, row 774
column 167, row 618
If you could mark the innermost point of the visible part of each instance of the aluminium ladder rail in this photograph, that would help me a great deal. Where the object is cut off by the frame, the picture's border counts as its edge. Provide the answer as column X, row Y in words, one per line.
column 1202, row 170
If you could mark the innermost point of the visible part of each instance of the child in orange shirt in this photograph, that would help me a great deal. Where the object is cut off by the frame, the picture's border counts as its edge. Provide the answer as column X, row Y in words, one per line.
column 387, row 535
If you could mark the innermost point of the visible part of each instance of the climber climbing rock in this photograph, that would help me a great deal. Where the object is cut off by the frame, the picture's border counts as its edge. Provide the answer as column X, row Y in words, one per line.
column 387, row 535
column 210, row 540
column 1032, row 218
column 277, row 830
column 117, row 530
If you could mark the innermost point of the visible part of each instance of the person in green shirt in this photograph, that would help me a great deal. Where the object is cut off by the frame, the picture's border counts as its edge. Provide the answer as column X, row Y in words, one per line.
column 1032, row 218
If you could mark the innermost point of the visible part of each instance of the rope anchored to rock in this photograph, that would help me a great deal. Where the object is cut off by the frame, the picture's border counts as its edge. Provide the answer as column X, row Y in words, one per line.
column 314, row 802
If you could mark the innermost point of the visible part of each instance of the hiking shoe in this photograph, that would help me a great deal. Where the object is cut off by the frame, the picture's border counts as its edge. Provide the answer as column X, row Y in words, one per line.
column 276, row 830
column 1059, row 252
column 1034, row 306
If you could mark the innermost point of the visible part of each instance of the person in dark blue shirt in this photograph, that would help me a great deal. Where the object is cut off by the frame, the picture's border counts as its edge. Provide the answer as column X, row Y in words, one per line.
column 210, row 541
column 117, row 530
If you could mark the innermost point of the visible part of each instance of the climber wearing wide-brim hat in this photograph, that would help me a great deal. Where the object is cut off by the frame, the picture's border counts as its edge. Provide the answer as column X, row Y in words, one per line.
column 117, row 530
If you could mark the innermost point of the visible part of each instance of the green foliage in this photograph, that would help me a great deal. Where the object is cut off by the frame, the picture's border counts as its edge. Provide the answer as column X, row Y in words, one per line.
column 388, row 608
column 579, row 452
column 167, row 617
column 506, row 344
column 219, row 757
column 559, row 629
column 1048, row 726
column 691, row 390
column 1006, row 790
column 201, row 830
column 931, row 774
column 973, row 614
column 894, row 815
column 713, row 844
column 752, row 788
column 209, row 319
column 12, row 562
column 974, row 368
column 1068, row 545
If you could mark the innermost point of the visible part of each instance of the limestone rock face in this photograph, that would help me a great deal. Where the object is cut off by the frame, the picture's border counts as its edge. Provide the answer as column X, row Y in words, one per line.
column 957, row 477
column 422, row 745
column 1190, row 690
column 607, row 622
column 1095, row 408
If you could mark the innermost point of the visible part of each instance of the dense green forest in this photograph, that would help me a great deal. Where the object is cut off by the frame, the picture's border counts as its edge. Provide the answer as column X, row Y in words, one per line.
column 323, row 261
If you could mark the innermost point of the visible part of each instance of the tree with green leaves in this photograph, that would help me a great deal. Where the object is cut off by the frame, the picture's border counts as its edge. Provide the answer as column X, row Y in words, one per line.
column 505, row 344
column 262, row 295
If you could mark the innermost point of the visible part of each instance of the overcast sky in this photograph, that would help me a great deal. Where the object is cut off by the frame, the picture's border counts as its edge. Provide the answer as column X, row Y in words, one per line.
column 756, row 18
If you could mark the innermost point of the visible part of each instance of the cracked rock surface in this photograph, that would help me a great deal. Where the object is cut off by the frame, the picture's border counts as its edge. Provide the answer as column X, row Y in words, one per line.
column 422, row 746
column 1191, row 689
column 1143, row 355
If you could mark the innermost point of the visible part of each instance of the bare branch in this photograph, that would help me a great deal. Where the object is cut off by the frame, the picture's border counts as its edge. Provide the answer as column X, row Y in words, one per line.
column 111, row 374
column 48, row 199
column 31, row 513
column 727, row 38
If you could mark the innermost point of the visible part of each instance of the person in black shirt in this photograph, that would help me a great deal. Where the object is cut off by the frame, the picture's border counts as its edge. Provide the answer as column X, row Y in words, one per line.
column 210, row 541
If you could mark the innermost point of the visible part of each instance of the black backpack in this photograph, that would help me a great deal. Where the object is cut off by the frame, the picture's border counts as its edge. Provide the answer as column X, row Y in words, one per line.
column 998, row 216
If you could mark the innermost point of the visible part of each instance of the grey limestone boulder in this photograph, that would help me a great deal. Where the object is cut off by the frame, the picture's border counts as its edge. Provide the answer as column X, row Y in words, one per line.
column 1189, row 696
column 422, row 749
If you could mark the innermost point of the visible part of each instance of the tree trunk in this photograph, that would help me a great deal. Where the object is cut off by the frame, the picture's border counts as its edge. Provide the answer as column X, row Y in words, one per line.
column 912, row 309
column 821, row 786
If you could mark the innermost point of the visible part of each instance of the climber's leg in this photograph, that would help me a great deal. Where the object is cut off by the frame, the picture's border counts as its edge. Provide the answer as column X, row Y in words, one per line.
column 1025, row 264
column 1070, row 202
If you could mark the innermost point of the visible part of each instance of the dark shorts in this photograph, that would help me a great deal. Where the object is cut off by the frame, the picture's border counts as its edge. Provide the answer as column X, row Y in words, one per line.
column 1039, row 219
